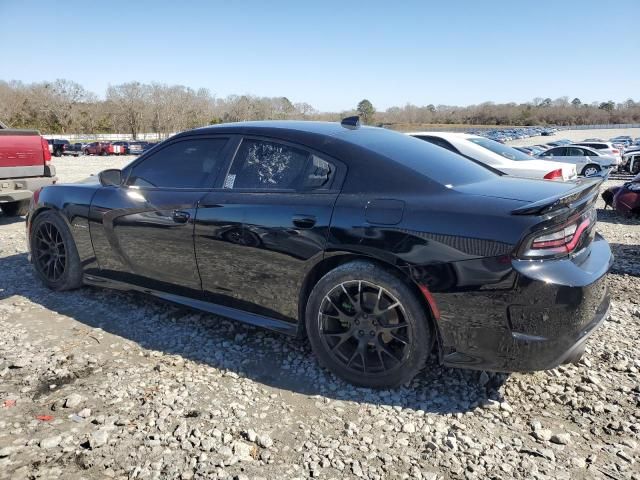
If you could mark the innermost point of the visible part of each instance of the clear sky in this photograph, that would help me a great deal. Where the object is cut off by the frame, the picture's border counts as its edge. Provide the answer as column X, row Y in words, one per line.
column 332, row 54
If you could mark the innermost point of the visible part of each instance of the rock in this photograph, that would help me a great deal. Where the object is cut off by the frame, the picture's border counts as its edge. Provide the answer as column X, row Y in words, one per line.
column 561, row 438
column 242, row 450
column 99, row 438
column 542, row 435
column 264, row 441
column 50, row 442
column 251, row 435
column 409, row 428
column 483, row 379
column 20, row 362
column 84, row 413
column 6, row 451
column 73, row 401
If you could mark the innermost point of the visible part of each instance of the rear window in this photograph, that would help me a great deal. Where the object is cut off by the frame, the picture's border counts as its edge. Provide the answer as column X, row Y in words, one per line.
column 500, row 149
column 438, row 164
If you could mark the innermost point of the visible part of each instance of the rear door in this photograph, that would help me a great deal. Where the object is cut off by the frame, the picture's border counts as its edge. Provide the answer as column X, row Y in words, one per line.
column 142, row 231
column 258, row 234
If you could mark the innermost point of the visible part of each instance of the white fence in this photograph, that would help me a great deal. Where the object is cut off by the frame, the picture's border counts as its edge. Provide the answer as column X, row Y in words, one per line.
column 107, row 137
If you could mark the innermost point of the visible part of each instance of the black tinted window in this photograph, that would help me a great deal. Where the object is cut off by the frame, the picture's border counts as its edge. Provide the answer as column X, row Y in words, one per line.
column 185, row 164
column 575, row 152
column 267, row 165
column 439, row 142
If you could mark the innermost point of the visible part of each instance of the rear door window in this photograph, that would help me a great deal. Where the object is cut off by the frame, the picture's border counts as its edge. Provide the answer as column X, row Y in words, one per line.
column 268, row 165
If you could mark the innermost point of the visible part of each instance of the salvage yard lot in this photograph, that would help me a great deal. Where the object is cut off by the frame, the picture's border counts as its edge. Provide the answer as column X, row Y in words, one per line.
column 98, row 383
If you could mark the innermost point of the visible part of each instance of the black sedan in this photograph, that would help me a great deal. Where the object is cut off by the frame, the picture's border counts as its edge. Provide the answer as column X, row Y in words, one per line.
column 376, row 246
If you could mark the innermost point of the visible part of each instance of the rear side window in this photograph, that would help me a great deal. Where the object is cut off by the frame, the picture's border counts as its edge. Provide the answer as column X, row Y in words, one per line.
column 441, row 142
column 502, row 150
column 184, row 164
column 266, row 165
column 555, row 152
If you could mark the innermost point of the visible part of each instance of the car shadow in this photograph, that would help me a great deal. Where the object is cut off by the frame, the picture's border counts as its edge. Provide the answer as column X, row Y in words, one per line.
column 4, row 220
column 269, row 358
column 613, row 217
column 625, row 259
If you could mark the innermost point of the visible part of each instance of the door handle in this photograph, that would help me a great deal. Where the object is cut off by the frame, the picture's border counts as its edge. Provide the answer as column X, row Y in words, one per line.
column 304, row 221
column 180, row 216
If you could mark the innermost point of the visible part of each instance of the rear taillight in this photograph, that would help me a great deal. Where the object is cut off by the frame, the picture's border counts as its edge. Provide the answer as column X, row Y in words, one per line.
column 561, row 241
column 45, row 149
column 554, row 175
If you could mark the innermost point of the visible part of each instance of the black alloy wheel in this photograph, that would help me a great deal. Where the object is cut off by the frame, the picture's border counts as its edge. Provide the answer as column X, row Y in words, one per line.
column 364, row 327
column 53, row 252
column 367, row 324
column 50, row 255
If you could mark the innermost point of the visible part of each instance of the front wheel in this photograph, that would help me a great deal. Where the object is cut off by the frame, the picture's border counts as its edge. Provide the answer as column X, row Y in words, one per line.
column 367, row 326
column 54, row 254
column 591, row 170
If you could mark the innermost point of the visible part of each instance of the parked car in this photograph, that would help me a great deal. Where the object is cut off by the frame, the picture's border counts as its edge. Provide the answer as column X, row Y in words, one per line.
column 373, row 250
column 624, row 199
column 98, row 148
column 605, row 148
column 630, row 162
column 136, row 148
column 503, row 158
column 121, row 148
column 622, row 140
column 588, row 162
column 25, row 166
column 57, row 146
column 74, row 149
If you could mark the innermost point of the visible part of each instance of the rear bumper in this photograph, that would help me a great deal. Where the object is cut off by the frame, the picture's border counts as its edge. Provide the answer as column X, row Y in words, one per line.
column 17, row 189
column 542, row 319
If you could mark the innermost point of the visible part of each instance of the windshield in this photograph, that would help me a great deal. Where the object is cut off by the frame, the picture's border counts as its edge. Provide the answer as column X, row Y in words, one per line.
column 500, row 149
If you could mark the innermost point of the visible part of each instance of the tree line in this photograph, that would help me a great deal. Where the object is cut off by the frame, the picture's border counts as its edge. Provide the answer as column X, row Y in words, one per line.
column 64, row 106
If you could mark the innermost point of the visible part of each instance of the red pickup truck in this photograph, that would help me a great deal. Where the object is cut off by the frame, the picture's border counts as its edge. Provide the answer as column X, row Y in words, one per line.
column 25, row 166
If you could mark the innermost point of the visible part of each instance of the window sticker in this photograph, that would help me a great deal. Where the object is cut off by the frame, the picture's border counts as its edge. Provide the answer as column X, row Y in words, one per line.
column 229, row 181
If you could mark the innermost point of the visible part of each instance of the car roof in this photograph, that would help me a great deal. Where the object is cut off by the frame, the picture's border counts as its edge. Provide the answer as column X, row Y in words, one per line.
column 378, row 151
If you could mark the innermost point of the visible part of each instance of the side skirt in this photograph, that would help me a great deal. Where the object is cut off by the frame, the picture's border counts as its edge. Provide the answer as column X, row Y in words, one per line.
column 268, row 323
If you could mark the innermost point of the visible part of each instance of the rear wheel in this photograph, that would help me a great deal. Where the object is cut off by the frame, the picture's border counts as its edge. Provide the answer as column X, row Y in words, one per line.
column 591, row 170
column 54, row 254
column 367, row 326
column 15, row 209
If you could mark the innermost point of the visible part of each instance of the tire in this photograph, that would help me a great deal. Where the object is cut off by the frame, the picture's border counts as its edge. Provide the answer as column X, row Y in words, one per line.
column 15, row 209
column 590, row 170
column 49, row 233
column 635, row 168
column 57, row 153
column 86, row 152
column 369, row 349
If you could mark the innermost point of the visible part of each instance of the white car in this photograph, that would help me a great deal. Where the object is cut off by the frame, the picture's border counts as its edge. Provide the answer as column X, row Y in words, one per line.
column 588, row 161
column 604, row 147
column 498, row 156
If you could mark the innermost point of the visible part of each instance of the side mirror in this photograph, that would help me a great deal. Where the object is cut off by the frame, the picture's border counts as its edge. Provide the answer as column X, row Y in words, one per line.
column 110, row 178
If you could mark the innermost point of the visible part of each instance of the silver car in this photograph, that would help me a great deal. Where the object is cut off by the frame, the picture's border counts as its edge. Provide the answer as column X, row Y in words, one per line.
column 588, row 162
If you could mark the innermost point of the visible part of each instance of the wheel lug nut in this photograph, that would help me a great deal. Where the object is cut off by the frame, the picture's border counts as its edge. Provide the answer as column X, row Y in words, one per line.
column 361, row 333
column 372, row 333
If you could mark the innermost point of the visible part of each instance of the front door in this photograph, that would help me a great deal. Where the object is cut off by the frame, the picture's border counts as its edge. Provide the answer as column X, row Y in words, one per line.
column 142, row 231
column 258, row 235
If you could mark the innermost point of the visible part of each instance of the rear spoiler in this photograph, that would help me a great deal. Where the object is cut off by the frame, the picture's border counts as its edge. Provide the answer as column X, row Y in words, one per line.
column 15, row 132
column 581, row 193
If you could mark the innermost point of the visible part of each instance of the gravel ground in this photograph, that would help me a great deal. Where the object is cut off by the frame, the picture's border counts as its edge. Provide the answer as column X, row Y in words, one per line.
column 97, row 383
